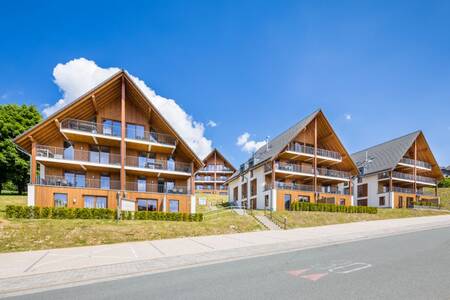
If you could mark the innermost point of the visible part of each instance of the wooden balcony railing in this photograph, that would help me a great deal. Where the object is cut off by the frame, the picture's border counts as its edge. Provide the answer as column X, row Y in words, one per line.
column 211, row 179
column 157, row 188
column 407, row 176
column 295, row 147
column 156, row 164
column 215, row 168
column 398, row 189
column 70, row 154
column 310, row 188
column 418, row 163
column 334, row 173
column 282, row 166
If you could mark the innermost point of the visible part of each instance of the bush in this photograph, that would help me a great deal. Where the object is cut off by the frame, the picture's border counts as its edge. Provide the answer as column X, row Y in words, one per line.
column 34, row 212
column 306, row 206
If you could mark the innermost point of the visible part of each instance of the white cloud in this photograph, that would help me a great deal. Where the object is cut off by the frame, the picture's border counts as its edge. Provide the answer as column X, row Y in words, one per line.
column 248, row 145
column 211, row 123
column 78, row 76
column 348, row 117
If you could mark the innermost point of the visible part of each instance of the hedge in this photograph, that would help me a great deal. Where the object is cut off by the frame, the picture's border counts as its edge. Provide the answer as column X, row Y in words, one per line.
column 425, row 203
column 34, row 212
column 306, row 206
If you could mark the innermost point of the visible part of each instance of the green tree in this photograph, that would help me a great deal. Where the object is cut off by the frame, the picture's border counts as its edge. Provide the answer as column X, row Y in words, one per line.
column 445, row 183
column 14, row 120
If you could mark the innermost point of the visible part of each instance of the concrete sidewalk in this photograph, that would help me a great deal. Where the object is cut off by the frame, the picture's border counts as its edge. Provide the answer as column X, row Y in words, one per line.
column 35, row 270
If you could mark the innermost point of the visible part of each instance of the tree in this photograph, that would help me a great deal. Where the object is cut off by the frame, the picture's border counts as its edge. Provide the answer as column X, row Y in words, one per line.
column 14, row 120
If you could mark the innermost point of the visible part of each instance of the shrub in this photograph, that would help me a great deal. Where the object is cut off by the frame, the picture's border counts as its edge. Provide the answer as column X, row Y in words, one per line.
column 306, row 206
column 34, row 212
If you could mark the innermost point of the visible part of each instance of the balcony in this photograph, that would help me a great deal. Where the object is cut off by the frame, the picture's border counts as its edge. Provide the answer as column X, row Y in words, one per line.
column 157, row 188
column 216, row 168
column 403, row 190
column 310, row 188
column 149, row 141
column 418, row 163
column 90, row 132
column 60, row 157
column 210, row 179
column 77, row 182
column 298, row 149
column 410, row 177
column 308, row 170
column 138, row 165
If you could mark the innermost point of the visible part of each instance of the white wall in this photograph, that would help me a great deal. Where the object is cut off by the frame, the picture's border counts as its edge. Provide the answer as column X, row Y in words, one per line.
column 372, row 191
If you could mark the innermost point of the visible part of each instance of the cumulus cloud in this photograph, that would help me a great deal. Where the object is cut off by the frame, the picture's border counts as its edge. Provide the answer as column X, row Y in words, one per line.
column 248, row 145
column 78, row 76
column 211, row 123
column 348, row 117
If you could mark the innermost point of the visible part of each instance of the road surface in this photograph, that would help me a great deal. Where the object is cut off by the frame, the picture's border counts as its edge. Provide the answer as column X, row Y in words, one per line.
column 408, row 266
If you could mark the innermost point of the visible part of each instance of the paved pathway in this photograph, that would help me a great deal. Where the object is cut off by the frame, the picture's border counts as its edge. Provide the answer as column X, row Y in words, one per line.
column 267, row 222
column 24, row 271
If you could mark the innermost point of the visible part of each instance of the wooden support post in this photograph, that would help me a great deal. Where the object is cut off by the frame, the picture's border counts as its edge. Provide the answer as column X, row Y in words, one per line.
column 192, row 179
column 315, row 160
column 415, row 169
column 215, row 171
column 33, row 161
column 123, row 150
column 392, row 199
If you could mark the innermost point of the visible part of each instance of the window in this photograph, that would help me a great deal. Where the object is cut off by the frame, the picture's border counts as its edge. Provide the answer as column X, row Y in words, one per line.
column 251, row 173
column 253, row 187
column 95, row 202
column 142, row 184
column 362, row 202
column 69, row 152
column 99, row 154
column 302, row 198
column 135, row 132
column 400, row 202
column 287, row 201
column 160, row 185
column 60, row 200
column 111, row 127
column 170, row 186
column 382, row 201
column 173, row 205
column 105, row 182
column 235, row 194
column 147, row 204
column 359, row 179
column 244, row 191
column 171, row 164
column 266, row 201
column 342, row 202
column 362, row 190
column 75, row 179
column 327, row 200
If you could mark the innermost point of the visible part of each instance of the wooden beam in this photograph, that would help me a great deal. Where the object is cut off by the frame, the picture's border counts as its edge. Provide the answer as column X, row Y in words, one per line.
column 315, row 159
column 58, row 125
column 415, row 166
column 122, row 140
column 94, row 103
column 33, row 161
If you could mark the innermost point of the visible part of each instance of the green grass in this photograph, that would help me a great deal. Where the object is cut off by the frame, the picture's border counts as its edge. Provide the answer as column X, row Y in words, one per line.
column 10, row 199
column 444, row 193
column 297, row 219
column 212, row 202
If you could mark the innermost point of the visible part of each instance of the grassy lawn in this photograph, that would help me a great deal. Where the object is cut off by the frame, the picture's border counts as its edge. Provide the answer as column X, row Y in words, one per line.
column 21, row 235
column 211, row 201
column 444, row 193
column 308, row 218
column 10, row 199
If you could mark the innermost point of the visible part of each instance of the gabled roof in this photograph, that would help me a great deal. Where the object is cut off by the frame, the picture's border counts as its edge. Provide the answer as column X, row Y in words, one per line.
column 23, row 140
column 386, row 156
column 215, row 150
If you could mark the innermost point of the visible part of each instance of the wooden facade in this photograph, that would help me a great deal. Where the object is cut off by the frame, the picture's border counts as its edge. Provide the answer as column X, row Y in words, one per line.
column 212, row 177
column 111, row 142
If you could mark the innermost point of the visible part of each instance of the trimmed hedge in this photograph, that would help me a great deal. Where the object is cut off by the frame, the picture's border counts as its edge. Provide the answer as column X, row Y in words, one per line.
column 428, row 204
column 34, row 212
column 306, row 206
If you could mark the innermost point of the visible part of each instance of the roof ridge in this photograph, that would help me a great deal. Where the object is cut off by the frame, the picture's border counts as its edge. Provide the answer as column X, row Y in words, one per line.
column 387, row 142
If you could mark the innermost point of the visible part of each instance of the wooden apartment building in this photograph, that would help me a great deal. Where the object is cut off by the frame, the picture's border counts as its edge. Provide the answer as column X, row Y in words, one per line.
column 110, row 145
column 212, row 177
column 306, row 163
column 397, row 173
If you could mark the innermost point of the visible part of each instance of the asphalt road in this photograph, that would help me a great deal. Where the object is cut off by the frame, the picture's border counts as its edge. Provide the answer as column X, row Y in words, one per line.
column 408, row 266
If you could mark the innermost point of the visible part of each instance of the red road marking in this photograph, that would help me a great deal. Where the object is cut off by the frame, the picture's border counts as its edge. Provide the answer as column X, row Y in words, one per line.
column 314, row 277
column 297, row 272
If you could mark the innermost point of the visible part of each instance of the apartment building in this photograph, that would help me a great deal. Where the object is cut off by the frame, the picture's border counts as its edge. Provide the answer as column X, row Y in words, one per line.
column 212, row 177
column 306, row 163
column 110, row 147
column 397, row 173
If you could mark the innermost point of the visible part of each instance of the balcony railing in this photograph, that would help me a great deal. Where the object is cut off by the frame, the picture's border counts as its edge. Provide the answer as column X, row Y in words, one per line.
column 116, row 131
column 156, row 164
column 282, row 166
column 295, row 147
column 406, row 176
column 398, row 189
column 332, row 190
column 215, row 168
column 211, row 179
column 418, row 163
column 92, row 127
column 77, row 182
column 333, row 173
column 310, row 188
column 71, row 154
column 156, row 188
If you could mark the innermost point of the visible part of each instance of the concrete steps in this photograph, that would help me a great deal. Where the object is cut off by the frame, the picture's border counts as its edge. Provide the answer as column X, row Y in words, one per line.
column 266, row 222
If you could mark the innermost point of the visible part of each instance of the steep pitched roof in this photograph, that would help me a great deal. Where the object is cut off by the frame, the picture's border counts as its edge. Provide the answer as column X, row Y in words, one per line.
column 215, row 150
column 387, row 155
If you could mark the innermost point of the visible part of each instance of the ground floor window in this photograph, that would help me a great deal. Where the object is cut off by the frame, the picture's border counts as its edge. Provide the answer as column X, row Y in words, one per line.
column 174, row 205
column 60, row 200
column 362, row 202
column 400, row 202
column 302, row 198
column 266, row 201
column 95, row 202
column 342, row 202
column 382, row 201
column 147, row 204
column 287, row 201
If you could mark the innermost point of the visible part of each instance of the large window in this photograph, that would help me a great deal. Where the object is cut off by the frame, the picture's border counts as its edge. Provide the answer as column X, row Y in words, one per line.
column 362, row 190
column 69, row 152
column 60, row 200
column 174, row 205
column 170, row 185
column 105, row 182
column 147, row 204
column 287, row 201
column 142, row 184
column 302, row 198
column 400, row 202
column 382, row 201
column 362, row 202
column 99, row 154
column 95, row 202
column 111, row 127
column 235, row 194
column 75, row 179
column 135, row 132
column 171, row 164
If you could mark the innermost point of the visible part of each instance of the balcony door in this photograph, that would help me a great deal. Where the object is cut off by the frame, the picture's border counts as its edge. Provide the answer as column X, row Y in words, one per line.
column 69, row 151
column 112, row 128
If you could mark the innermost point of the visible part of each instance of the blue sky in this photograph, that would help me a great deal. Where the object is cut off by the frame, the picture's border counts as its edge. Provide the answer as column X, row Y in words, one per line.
column 251, row 66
